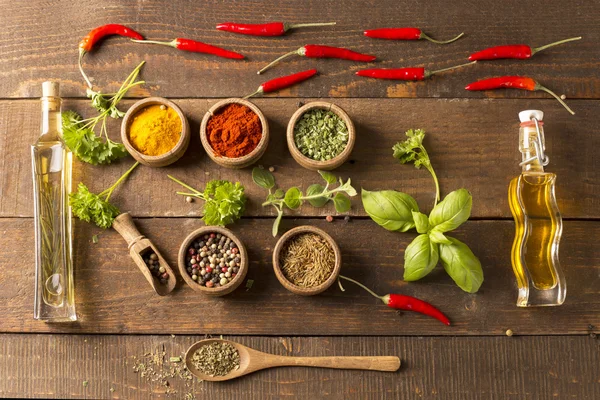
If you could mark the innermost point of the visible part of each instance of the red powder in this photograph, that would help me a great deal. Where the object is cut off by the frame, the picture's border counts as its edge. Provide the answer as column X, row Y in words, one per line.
column 234, row 131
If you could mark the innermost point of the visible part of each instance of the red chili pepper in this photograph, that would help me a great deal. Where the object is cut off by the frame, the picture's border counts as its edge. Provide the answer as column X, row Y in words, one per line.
column 404, row 74
column 409, row 303
column 268, row 29
column 514, row 82
column 283, row 82
column 318, row 51
column 404, row 34
column 95, row 35
column 517, row 51
column 196, row 47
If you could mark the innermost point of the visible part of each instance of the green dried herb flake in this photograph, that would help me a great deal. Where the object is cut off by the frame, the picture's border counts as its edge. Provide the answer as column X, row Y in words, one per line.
column 320, row 134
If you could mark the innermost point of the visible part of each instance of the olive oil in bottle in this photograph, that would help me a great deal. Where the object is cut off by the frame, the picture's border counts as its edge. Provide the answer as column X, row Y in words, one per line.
column 538, row 223
column 51, row 165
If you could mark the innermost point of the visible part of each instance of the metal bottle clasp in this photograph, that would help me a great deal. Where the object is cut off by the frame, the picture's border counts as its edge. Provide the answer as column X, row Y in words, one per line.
column 540, row 146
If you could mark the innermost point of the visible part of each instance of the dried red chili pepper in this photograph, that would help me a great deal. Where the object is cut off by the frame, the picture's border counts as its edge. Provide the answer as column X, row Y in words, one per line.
column 517, row 51
column 403, row 302
column 514, row 82
column 404, row 74
column 96, row 34
column 405, row 34
column 268, row 29
column 318, row 51
column 283, row 82
column 196, row 47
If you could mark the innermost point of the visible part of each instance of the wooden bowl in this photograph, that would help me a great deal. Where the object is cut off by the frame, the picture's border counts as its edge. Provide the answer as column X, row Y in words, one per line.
column 164, row 159
column 221, row 290
column 309, row 163
column 248, row 159
column 277, row 264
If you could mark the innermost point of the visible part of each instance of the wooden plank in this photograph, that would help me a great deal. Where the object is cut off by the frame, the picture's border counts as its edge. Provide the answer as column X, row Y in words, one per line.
column 40, row 42
column 55, row 366
column 472, row 144
column 113, row 297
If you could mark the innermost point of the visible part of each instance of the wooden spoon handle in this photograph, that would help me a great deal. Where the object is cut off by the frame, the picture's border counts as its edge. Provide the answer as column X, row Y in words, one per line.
column 126, row 227
column 379, row 363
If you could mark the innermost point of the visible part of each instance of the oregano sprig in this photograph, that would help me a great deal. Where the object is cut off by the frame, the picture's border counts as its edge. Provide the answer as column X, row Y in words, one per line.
column 316, row 194
column 397, row 211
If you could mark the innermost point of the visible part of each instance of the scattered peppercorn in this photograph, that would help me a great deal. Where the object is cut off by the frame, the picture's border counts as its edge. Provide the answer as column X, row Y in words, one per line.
column 189, row 199
column 509, row 332
column 153, row 263
column 213, row 260
column 329, row 218
column 271, row 169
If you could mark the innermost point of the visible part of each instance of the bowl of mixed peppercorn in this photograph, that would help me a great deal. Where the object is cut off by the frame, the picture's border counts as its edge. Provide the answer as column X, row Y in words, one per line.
column 213, row 260
column 320, row 136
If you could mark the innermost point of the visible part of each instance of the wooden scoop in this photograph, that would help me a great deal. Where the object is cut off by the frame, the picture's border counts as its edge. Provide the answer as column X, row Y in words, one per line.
column 253, row 360
column 139, row 245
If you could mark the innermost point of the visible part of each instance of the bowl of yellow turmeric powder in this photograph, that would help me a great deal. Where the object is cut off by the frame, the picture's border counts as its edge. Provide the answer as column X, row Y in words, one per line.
column 155, row 132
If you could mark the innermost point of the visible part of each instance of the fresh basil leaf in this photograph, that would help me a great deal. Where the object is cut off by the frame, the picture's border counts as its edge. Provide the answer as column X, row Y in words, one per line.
column 328, row 177
column 277, row 222
column 263, row 178
column 390, row 209
column 439, row 237
column 292, row 198
column 420, row 258
column 451, row 212
column 421, row 222
column 279, row 193
column 314, row 190
column 341, row 202
column 462, row 265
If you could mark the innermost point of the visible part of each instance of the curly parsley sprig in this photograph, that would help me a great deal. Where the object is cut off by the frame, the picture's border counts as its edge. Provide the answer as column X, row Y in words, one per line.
column 412, row 150
column 224, row 201
column 91, row 207
column 79, row 135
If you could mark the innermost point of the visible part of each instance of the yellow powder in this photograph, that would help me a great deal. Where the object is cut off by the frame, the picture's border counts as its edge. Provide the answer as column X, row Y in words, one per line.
column 155, row 131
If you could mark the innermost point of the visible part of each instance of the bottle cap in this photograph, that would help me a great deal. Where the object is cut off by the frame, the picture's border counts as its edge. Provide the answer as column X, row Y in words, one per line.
column 527, row 115
column 50, row 89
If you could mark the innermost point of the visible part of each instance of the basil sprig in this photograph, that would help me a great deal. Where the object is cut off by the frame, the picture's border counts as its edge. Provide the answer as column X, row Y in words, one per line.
column 397, row 211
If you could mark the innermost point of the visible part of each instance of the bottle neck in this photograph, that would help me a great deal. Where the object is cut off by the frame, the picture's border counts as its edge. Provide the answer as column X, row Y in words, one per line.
column 530, row 144
column 51, row 128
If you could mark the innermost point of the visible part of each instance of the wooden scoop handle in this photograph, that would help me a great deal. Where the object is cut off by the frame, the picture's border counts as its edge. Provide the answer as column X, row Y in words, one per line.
column 126, row 227
column 379, row 363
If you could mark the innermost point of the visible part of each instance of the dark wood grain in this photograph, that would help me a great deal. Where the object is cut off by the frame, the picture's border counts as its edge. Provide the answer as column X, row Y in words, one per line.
column 39, row 42
column 472, row 144
column 490, row 368
column 113, row 297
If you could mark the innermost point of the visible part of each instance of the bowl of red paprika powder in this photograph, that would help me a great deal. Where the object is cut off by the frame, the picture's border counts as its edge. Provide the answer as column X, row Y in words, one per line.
column 234, row 133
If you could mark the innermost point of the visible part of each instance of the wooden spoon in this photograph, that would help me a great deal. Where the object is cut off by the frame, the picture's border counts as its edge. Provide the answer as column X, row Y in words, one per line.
column 253, row 360
column 139, row 245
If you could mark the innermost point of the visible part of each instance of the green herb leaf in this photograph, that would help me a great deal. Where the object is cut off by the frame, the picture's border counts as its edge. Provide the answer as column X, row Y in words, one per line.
column 341, row 202
column 421, row 221
column 451, row 212
column 390, row 209
column 225, row 202
column 420, row 258
column 90, row 207
column 292, row 198
column 328, row 177
column 279, row 193
column 347, row 187
column 316, row 189
column 277, row 222
column 263, row 178
column 439, row 237
column 462, row 265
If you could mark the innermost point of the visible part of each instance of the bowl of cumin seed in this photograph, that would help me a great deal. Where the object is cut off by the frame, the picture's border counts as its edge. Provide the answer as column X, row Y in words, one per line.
column 306, row 260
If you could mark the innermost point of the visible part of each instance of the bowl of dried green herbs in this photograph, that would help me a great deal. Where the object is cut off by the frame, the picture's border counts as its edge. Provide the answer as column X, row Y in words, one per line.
column 320, row 136
column 306, row 260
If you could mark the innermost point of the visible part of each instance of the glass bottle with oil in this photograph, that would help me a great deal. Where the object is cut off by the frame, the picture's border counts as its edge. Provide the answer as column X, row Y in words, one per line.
column 538, row 223
column 51, row 165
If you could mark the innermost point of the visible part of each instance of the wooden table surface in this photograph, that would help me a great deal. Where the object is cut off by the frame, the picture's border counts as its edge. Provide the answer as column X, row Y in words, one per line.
column 472, row 139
